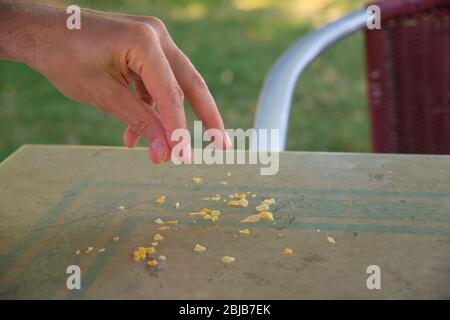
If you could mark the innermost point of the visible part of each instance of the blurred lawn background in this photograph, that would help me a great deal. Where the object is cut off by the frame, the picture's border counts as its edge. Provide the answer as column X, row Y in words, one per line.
column 233, row 44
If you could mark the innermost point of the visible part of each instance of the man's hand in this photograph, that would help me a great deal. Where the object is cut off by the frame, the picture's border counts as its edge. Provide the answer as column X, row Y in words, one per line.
column 97, row 65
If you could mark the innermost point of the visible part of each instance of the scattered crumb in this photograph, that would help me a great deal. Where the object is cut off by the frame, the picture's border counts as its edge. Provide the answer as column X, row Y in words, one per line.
column 244, row 232
column 253, row 195
column 101, row 250
column 152, row 263
column 228, row 260
column 215, row 199
column 162, row 258
column 269, row 202
column 318, row 230
column 206, row 199
column 197, row 180
column 160, row 200
column 207, row 217
column 164, row 228
column 159, row 221
column 280, row 235
column 266, row 216
column 251, row 219
column 331, row 240
column 288, row 252
column 262, row 207
column 158, row 237
column 229, row 174
column 154, row 244
column 241, row 203
column 176, row 205
column 199, row 248
column 172, row 222
column 77, row 252
column 150, row 250
column 89, row 249
column 224, row 183
column 121, row 208
column 139, row 254
column 115, row 239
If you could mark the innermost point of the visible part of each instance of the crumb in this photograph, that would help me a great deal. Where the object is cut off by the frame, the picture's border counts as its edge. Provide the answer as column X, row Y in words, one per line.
column 101, row 250
column 228, row 260
column 162, row 258
column 244, row 232
column 121, row 208
column 89, row 249
column 152, row 263
column 224, row 183
column 176, row 205
column 158, row 237
column 160, row 200
column 164, row 228
column 331, row 240
column 288, row 252
column 199, row 248
column 159, row 221
column 172, row 222
column 197, row 180
column 262, row 207
column 77, row 252
column 229, row 174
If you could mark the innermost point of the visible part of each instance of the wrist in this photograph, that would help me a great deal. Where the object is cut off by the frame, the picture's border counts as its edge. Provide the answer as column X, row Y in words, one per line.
column 27, row 31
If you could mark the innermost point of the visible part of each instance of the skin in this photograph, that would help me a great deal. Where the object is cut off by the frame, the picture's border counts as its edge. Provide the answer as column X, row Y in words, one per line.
column 98, row 64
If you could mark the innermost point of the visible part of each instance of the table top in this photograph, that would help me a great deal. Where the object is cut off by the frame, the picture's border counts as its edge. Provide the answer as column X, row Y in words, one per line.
column 392, row 211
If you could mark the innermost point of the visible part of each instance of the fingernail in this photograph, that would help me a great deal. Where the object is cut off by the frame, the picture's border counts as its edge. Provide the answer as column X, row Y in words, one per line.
column 228, row 143
column 159, row 149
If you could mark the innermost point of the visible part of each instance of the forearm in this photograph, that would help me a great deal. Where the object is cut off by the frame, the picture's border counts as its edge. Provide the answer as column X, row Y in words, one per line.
column 27, row 30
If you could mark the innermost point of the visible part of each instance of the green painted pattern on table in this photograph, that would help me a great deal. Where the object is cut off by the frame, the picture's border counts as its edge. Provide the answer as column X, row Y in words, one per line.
column 336, row 210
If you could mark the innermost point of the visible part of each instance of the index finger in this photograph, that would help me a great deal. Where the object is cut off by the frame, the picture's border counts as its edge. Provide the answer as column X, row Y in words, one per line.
column 197, row 93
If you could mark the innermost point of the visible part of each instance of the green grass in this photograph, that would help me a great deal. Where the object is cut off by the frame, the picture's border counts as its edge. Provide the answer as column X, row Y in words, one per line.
column 329, row 111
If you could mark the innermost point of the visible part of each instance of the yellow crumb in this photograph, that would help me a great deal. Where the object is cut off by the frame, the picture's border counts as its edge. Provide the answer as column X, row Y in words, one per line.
column 154, row 244
column 158, row 237
column 331, row 240
column 199, row 248
column 241, row 203
column 228, row 259
column 197, row 180
column 172, row 222
column 176, row 205
column 206, row 199
column 89, row 249
column 159, row 221
column 162, row 258
column 77, row 252
column 139, row 254
column 150, row 250
column 164, row 228
column 121, row 208
column 269, row 202
column 152, row 263
column 196, row 214
column 207, row 217
column 266, row 216
column 214, row 218
column 215, row 213
column 251, row 219
column 244, row 232
column 288, row 252
column 262, row 207
column 115, row 239
column 101, row 250
column 160, row 200
column 215, row 199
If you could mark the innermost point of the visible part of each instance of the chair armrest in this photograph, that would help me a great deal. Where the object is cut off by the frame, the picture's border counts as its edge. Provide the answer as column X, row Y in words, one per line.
column 276, row 96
